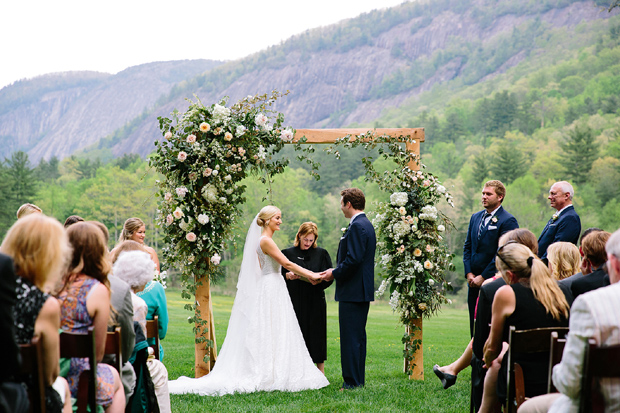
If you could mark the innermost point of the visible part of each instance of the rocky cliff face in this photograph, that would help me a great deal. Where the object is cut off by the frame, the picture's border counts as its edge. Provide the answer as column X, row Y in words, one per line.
column 329, row 88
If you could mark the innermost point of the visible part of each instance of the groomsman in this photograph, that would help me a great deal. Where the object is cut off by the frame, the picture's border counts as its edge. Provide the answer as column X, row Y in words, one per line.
column 565, row 224
column 485, row 228
column 354, row 275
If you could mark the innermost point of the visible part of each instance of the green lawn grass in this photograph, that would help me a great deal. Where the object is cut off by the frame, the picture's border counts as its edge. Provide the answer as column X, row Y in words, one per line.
column 387, row 388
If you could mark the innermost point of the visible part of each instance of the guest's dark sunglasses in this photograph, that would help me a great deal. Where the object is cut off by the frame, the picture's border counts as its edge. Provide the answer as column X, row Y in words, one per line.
column 502, row 246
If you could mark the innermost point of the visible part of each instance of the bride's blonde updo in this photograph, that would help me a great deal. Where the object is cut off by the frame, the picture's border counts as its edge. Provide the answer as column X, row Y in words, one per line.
column 266, row 214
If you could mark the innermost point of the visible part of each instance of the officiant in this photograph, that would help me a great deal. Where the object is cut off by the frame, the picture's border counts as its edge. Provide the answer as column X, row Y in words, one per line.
column 309, row 300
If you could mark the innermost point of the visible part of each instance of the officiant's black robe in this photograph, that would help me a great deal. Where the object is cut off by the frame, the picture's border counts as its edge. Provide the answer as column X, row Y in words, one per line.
column 309, row 300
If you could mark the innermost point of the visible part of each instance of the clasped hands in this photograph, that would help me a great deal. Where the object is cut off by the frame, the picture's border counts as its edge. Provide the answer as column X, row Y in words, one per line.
column 316, row 277
column 475, row 280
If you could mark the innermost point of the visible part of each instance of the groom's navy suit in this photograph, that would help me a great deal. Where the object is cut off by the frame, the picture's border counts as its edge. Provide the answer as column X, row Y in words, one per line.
column 566, row 227
column 479, row 251
column 354, row 277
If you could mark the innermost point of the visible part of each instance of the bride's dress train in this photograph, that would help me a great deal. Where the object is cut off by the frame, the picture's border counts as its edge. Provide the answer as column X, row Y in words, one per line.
column 264, row 349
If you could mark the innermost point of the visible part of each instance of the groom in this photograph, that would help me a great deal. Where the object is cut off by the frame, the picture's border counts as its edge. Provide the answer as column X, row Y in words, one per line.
column 354, row 277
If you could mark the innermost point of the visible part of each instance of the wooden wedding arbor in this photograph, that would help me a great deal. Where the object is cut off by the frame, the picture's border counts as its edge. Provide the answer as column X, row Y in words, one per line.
column 203, row 288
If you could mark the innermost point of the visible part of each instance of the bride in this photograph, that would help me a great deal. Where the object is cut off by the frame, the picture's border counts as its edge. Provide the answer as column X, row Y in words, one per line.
column 264, row 349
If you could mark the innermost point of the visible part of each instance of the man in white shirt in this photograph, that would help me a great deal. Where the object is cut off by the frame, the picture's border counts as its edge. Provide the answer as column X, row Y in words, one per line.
column 595, row 314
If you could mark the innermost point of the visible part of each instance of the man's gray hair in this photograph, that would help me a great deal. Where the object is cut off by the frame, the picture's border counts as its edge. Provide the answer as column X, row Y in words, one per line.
column 566, row 187
column 136, row 268
column 613, row 244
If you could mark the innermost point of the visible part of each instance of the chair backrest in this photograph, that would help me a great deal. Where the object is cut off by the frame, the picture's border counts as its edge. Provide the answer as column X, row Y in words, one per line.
column 113, row 346
column 536, row 340
column 555, row 356
column 152, row 331
column 599, row 362
column 79, row 345
column 32, row 368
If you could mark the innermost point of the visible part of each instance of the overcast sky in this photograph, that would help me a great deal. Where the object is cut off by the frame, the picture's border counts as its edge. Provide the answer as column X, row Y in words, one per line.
column 43, row 36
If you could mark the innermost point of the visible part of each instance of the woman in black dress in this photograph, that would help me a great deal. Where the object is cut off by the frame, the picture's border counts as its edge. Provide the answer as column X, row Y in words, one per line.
column 309, row 300
column 532, row 299
column 40, row 250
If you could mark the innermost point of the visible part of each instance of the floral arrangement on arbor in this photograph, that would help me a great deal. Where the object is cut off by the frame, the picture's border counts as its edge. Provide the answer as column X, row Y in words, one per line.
column 413, row 255
column 204, row 155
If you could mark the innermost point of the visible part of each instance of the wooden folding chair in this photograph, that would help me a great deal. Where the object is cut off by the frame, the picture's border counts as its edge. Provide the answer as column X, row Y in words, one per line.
column 555, row 356
column 113, row 346
column 152, row 331
column 537, row 340
column 75, row 345
column 32, row 373
column 599, row 362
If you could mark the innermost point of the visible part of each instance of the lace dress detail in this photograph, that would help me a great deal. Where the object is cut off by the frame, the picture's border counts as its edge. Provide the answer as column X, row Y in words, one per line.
column 264, row 349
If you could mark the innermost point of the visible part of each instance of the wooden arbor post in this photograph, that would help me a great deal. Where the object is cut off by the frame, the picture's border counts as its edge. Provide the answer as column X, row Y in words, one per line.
column 316, row 136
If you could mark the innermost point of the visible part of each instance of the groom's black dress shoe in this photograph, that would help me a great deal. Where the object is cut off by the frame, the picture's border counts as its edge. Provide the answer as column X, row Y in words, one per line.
column 446, row 379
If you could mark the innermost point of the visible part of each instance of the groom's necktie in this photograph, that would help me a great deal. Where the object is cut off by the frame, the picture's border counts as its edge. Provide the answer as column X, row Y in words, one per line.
column 482, row 223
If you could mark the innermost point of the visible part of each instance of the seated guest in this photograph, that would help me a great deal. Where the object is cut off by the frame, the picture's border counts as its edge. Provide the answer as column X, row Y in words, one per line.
column 564, row 259
column 120, row 298
column 532, row 299
column 594, row 258
column 28, row 209
column 447, row 374
column 85, row 302
column 40, row 250
column 583, row 271
column 72, row 220
column 596, row 315
column 153, row 294
column 136, row 268
column 13, row 395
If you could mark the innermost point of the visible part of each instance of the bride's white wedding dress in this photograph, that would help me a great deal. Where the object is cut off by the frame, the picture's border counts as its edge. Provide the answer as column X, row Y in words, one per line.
column 264, row 349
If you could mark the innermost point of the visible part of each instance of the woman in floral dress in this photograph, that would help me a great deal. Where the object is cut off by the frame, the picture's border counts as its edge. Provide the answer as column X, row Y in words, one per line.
column 85, row 301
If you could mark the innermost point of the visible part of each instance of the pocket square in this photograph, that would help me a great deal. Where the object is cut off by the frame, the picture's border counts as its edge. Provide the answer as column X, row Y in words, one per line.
column 491, row 227
column 341, row 237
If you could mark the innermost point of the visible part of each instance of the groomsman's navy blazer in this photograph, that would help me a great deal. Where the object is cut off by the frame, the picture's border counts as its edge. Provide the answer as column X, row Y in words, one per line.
column 355, row 272
column 479, row 252
column 566, row 228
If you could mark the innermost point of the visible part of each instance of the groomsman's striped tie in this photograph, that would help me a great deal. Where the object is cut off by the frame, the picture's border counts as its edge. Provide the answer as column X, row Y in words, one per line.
column 482, row 223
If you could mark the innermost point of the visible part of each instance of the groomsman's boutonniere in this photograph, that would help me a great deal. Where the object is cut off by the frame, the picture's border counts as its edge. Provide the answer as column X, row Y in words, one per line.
column 494, row 219
column 555, row 217
column 344, row 230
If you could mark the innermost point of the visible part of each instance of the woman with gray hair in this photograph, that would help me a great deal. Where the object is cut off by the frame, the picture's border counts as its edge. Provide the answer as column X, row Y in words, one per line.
column 137, row 268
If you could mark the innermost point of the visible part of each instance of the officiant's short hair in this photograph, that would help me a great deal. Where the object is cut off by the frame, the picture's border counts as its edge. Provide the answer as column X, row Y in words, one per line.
column 305, row 229
column 355, row 196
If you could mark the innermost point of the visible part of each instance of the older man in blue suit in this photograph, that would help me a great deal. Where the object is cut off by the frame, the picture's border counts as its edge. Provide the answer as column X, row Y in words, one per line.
column 354, row 277
column 565, row 224
column 485, row 228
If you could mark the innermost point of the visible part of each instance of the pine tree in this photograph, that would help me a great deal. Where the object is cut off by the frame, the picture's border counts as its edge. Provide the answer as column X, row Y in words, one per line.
column 580, row 150
column 508, row 163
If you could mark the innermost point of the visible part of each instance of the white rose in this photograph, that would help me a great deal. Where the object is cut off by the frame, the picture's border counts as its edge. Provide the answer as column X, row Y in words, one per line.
column 204, row 127
column 169, row 219
column 168, row 135
column 240, row 130
column 191, row 138
column 203, row 219
column 178, row 214
column 181, row 191
column 215, row 259
column 441, row 228
column 286, row 135
column 168, row 196
column 182, row 156
column 228, row 136
column 261, row 120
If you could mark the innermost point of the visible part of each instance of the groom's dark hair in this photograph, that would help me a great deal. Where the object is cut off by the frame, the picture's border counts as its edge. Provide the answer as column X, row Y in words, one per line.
column 355, row 196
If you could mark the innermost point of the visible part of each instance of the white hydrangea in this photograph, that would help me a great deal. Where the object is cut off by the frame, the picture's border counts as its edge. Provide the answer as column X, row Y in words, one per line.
column 399, row 198
column 209, row 192
column 186, row 226
column 441, row 189
column 220, row 112
column 240, row 130
column 382, row 288
column 429, row 213
column 400, row 229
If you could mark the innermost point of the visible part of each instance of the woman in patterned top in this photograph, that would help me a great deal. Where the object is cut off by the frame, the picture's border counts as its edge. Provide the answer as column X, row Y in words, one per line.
column 39, row 248
column 85, row 301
